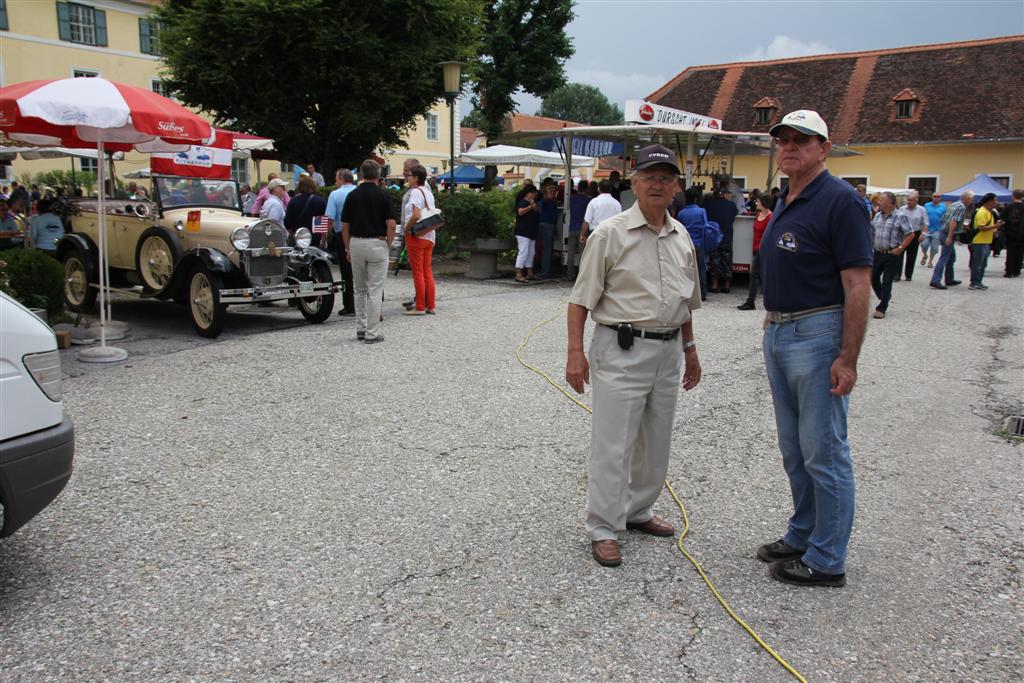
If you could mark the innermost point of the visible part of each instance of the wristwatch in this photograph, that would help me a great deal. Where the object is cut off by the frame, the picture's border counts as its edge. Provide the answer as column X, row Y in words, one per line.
column 689, row 345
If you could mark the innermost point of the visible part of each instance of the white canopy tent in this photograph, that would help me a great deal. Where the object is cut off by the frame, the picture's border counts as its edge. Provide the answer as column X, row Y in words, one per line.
column 521, row 156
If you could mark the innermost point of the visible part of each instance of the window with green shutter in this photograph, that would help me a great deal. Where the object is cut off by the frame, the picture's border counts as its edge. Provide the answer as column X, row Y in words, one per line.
column 3, row 16
column 149, row 36
column 81, row 24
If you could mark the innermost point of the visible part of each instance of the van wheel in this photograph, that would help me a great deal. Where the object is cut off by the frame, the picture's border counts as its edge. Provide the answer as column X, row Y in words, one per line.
column 208, row 313
column 78, row 295
column 318, row 309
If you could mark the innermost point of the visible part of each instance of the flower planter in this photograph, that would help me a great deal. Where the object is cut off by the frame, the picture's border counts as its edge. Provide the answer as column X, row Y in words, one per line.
column 483, row 256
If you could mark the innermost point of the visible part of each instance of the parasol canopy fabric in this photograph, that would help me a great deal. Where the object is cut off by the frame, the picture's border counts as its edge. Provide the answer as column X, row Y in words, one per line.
column 77, row 112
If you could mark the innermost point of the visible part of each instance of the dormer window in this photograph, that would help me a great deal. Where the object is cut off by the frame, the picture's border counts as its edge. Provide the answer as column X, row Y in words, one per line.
column 906, row 106
column 766, row 111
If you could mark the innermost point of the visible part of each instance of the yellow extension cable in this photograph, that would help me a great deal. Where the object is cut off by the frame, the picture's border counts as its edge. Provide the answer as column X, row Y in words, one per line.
column 682, row 509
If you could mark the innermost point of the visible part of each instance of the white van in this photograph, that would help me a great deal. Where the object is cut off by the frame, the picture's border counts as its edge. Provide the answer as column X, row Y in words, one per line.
column 37, row 440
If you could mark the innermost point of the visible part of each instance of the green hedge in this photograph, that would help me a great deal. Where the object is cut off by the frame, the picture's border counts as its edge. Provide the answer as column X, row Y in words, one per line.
column 469, row 214
column 33, row 278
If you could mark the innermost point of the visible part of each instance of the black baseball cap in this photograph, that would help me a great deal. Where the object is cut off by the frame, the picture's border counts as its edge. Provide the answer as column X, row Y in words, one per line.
column 653, row 155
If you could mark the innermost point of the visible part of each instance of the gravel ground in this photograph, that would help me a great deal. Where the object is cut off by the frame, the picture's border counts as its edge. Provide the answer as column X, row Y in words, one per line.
column 286, row 504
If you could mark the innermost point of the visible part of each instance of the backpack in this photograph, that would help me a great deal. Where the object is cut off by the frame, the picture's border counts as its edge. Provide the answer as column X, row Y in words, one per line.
column 712, row 237
column 968, row 234
column 1013, row 227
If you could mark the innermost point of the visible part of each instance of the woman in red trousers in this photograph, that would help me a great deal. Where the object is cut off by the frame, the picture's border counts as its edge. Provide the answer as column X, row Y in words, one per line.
column 419, row 248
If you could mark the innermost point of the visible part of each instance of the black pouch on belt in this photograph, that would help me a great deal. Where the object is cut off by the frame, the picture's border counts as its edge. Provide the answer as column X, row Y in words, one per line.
column 625, row 336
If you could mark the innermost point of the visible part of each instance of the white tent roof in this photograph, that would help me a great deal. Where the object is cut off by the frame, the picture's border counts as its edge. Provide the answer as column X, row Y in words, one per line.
column 33, row 153
column 521, row 156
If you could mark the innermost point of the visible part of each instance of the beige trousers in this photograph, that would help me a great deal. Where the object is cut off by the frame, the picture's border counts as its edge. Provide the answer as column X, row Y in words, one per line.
column 635, row 394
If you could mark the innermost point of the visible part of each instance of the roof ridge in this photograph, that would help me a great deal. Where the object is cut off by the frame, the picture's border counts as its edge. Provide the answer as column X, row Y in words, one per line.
column 832, row 55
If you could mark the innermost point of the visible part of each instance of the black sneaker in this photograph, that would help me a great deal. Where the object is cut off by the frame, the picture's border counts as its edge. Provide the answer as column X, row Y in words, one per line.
column 344, row 312
column 937, row 285
column 954, row 283
column 779, row 550
column 799, row 574
column 746, row 306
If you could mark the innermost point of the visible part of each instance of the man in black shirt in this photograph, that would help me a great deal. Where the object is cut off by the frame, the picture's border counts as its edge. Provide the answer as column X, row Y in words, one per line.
column 368, row 229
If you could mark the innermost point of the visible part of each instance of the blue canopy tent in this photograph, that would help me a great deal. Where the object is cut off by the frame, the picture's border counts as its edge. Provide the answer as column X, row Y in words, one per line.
column 467, row 175
column 980, row 186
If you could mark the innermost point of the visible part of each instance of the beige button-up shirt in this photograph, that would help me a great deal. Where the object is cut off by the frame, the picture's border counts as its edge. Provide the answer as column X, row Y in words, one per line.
column 631, row 274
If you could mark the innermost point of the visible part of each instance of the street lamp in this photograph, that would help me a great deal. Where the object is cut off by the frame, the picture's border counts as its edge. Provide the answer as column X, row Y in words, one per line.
column 452, row 86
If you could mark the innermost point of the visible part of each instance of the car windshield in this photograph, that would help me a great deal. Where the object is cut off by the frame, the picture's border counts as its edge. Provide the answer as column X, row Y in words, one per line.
column 196, row 192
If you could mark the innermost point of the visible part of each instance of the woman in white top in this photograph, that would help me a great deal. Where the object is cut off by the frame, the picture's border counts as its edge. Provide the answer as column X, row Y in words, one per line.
column 419, row 248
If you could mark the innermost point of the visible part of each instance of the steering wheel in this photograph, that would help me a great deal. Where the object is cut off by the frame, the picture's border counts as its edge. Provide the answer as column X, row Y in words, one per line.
column 142, row 210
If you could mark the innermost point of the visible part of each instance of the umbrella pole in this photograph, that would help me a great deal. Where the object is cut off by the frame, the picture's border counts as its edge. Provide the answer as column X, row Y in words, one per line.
column 104, row 353
column 102, row 221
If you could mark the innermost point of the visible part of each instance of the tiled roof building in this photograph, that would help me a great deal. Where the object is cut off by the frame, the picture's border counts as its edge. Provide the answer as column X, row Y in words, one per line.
column 946, row 86
column 927, row 116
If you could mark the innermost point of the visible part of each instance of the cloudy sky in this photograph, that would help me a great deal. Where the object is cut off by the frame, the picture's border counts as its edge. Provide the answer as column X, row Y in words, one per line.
column 629, row 48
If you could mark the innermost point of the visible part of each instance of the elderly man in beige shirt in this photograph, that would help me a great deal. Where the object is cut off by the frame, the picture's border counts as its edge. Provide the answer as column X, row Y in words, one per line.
column 638, row 279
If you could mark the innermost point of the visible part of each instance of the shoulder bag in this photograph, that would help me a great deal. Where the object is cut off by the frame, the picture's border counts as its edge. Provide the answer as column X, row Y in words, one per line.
column 430, row 218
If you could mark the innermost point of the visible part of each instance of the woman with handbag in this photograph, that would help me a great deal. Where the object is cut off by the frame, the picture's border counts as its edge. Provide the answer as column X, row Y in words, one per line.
column 419, row 247
column 527, row 230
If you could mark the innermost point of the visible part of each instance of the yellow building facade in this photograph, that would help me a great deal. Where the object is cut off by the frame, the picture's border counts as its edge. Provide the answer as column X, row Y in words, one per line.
column 43, row 39
column 901, row 166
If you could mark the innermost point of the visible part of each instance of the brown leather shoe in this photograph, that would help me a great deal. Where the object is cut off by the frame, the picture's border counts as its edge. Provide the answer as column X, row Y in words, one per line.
column 606, row 553
column 655, row 526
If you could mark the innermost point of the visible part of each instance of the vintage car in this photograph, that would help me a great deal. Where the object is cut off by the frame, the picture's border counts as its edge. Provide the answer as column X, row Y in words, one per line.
column 194, row 246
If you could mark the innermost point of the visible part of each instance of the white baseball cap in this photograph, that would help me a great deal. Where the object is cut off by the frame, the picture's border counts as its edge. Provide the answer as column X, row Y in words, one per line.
column 277, row 182
column 803, row 120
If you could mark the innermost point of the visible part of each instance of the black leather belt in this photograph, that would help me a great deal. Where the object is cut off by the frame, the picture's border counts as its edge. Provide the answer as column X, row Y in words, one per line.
column 779, row 317
column 649, row 334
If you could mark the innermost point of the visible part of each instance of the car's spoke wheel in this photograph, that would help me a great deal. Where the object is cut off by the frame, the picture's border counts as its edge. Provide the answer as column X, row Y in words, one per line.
column 318, row 309
column 208, row 314
column 78, row 295
column 155, row 257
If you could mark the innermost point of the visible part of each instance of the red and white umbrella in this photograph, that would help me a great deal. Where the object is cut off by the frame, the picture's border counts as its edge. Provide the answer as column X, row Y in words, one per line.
column 105, row 115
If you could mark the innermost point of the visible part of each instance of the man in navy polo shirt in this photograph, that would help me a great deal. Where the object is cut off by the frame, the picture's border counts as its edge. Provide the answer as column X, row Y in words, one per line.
column 816, row 264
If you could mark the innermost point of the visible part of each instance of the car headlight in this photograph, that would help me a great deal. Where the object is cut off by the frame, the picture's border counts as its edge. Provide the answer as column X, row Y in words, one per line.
column 303, row 237
column 240, row 239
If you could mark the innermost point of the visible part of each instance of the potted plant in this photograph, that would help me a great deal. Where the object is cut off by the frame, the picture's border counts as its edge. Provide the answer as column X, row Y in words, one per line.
column 482, row 224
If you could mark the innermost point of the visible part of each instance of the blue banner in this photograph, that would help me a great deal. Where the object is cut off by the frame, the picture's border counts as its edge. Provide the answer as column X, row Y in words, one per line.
column 589, row 147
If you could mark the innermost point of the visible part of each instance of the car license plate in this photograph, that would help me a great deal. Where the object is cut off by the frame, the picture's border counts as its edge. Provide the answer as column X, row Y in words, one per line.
column 305, row 287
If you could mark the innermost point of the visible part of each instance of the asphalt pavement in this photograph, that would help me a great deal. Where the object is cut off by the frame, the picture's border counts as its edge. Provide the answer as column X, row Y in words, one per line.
column 287, row 504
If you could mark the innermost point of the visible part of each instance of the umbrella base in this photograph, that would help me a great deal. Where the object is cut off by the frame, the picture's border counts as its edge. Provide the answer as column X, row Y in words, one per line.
column 102, row 354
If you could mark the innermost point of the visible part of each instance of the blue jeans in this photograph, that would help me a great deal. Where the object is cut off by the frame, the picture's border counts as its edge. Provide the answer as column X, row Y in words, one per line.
column 811, row 426
column 944, row 266
column 547, row 246
column 979, row 261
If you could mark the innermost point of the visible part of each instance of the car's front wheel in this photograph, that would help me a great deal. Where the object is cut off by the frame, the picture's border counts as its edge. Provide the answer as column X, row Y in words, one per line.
column 208, row 313
column 155, row 256
column 318, row 309
column 78, row 295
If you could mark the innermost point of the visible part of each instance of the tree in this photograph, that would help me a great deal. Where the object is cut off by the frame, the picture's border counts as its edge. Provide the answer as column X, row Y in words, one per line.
column 580, row 103
column 317, row 77
column 524, row 46
column 473, row 120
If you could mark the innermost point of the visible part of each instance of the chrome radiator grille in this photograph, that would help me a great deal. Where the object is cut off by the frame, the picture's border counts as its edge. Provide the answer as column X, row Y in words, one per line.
column 266, row 270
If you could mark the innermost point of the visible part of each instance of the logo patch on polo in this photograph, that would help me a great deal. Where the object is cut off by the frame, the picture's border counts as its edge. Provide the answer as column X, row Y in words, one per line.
column 788, row 242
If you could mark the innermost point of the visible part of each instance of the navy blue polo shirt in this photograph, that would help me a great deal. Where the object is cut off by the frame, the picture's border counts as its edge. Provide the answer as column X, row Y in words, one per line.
column 807, row 243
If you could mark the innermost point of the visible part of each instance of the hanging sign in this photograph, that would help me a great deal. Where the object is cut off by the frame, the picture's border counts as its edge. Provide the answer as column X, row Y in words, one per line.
column 641, row 111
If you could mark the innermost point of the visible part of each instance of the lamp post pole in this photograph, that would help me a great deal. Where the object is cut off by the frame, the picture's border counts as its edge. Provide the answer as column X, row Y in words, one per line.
column 452, row 86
